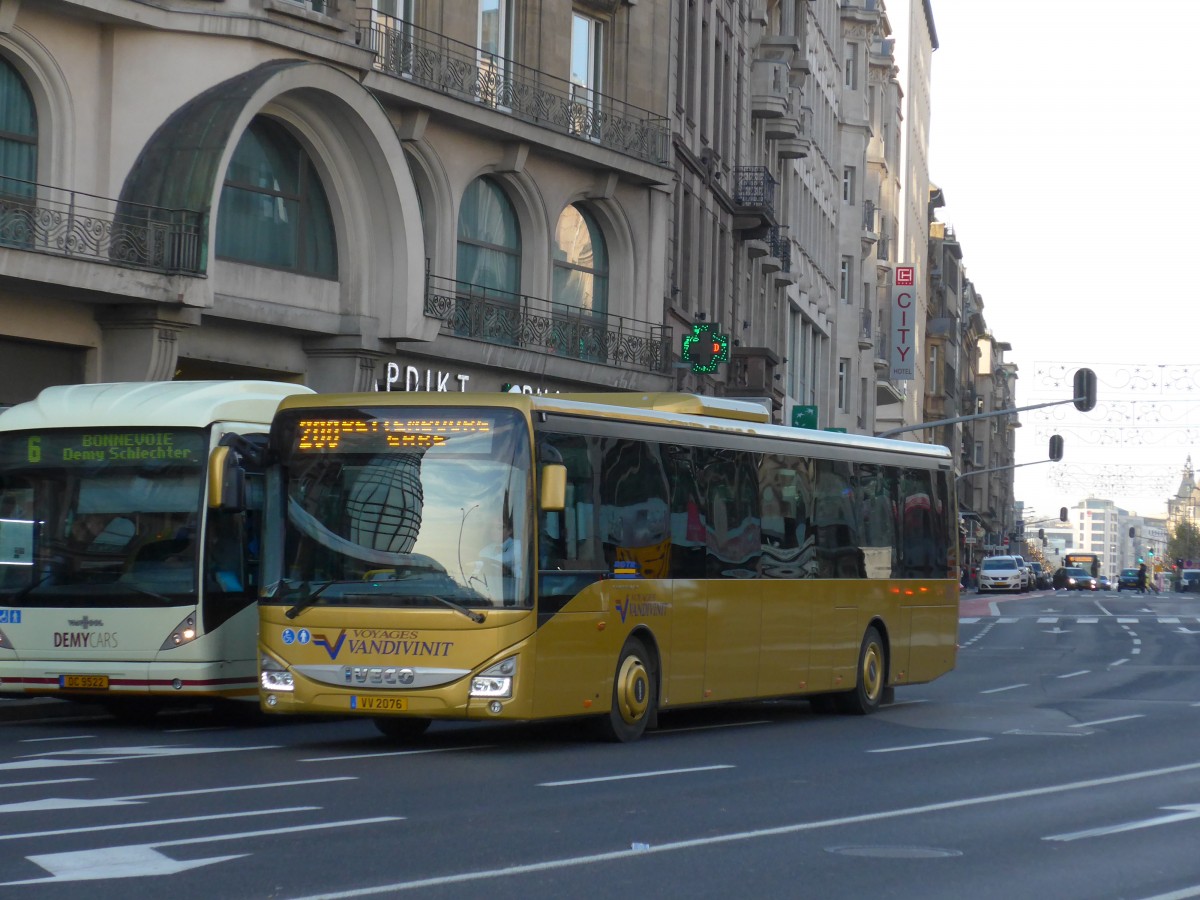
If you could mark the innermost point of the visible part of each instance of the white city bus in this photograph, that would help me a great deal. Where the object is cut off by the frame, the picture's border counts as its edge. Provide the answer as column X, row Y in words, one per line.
column 129, row 518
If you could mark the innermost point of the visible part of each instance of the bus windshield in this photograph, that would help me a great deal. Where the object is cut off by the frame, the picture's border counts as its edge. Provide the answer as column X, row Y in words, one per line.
column 100, row 517
column 400, row 508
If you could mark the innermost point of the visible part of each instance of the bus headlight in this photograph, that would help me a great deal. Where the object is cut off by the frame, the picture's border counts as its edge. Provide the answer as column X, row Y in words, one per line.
column 274, row 677
column 184, row 633
column 495, row 681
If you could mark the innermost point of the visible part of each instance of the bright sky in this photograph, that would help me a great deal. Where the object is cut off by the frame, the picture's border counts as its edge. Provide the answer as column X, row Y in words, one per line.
column 1059, row 133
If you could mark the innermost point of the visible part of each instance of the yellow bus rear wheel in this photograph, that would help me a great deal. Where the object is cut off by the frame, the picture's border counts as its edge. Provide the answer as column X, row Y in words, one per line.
column 871, row 677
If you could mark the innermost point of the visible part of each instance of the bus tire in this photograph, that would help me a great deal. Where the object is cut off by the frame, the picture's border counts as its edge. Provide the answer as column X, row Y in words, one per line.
column 401, row 729
column 634, row 695
column 870, row 677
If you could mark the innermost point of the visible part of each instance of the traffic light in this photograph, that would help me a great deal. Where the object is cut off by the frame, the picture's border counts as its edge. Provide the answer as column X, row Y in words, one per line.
column 705, row 348
column 1056, row 447
column 1085, row 390
column 1062, row 514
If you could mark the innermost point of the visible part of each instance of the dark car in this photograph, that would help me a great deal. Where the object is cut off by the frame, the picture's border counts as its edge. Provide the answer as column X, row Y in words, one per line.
column 1075, row 579
column 1104, row 583
column 1127, row 580
column 1041, row 577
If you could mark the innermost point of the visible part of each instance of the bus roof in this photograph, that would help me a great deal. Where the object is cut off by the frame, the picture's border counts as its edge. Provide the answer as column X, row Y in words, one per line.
column 673, row 409
column 180, row 404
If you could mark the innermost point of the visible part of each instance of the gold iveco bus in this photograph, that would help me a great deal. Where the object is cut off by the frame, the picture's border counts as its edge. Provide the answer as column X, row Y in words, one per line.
column 506, row 556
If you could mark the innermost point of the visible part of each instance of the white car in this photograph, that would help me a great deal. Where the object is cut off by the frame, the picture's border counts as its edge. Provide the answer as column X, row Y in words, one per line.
column 1029, row 579
column 1001, row 573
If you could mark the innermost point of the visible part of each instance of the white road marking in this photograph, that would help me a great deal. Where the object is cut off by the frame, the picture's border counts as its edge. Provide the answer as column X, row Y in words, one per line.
column 60, row 803
column 1076, row 674
column 1186, row 812
column 1011, row 687
column 44, row 782
column 719, row 839
column 1107, row 721
column 151, row 824
column 73, row 737
column 1119, row 662
column 665, row 731
column 633, row 775
column 929, row 746
column 143, row 859
column 386, row 753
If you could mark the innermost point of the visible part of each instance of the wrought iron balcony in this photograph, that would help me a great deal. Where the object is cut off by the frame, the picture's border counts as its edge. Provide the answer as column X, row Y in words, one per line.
column 60, row 222
column 461, row 70
column 754, row 186
column 498, row 317
column 781, row 246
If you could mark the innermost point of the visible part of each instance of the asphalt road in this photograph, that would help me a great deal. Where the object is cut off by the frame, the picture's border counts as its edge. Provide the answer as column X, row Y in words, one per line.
column 1060, row 760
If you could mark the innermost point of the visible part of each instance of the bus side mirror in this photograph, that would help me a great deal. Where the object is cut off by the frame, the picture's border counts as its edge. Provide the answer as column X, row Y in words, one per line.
column 226, row 480
column 554, row 487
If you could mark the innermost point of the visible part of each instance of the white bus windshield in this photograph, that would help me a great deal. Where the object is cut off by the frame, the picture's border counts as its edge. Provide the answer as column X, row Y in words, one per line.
column 100, row 517
column 401, row 507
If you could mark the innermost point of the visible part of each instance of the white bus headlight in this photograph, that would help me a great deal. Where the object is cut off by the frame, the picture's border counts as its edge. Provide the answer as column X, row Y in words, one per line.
column 184, row 633
column 495, row 681
column 274, row 677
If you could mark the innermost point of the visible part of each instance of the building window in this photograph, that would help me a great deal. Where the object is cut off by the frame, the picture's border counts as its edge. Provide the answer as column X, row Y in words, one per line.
column 851, row 74
column 489, row 239
column 932, row 379
column 273, row 210
column 843, row 384
column 587, row 61
column 848, row 184
column 18, row 135
column 580, row 262
column 979, row 457
column 844, row 282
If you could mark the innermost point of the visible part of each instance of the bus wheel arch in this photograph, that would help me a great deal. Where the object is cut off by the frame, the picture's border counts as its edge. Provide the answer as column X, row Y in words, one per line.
column 635, row 692
column 870, row 674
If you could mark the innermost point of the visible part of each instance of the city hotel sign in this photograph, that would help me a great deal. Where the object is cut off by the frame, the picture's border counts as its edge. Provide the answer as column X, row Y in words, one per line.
column 904, row 317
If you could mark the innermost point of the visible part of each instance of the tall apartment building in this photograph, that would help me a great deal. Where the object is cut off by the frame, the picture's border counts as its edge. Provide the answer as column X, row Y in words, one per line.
column 351, row 193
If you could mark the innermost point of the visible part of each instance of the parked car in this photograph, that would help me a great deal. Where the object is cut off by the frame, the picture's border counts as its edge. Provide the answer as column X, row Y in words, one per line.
column 1041, row 578
column 1027, row 580
column 1001, row 573
column 1076, row 579
column 1127, row 580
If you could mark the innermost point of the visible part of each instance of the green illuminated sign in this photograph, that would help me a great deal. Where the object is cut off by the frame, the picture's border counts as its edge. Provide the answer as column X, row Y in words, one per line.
column 705, row 348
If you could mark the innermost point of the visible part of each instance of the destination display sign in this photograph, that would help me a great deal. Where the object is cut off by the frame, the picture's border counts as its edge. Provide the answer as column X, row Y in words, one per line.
column 354, row 434
column 120, row 447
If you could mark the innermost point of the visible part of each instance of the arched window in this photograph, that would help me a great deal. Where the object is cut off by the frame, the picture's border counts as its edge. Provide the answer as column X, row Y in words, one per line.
column 18, row 135
column 489, row 239
column 274, row 211
column 580, row 262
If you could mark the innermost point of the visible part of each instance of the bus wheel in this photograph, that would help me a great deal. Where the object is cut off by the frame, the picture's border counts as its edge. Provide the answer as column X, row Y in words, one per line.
column 401, row 729
column 634, row 696
column 871, row 682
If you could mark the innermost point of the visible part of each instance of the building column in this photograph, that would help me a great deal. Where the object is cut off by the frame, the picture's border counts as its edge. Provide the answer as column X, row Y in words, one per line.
column 139, row 342
column 337, row 365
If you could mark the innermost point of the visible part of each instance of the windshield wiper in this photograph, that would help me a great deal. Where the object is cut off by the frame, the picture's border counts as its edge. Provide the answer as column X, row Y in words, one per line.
column 307, row 596
column 471, row 614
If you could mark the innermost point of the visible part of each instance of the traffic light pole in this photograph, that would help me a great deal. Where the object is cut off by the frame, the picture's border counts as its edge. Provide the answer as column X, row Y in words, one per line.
column 1036, row 462
column 985, row 415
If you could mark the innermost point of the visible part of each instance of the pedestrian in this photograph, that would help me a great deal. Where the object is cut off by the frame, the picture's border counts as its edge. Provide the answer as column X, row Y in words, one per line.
column 1142, row 578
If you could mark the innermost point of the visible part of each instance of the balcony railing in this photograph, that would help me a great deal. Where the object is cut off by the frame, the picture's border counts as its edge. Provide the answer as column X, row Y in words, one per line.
column 461, row 70
column 60, row 222
column 781, row 246
column 499, row 317
column 754, row 186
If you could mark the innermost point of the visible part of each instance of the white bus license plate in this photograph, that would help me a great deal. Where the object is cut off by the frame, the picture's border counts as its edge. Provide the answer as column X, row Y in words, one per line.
column 379, row 704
